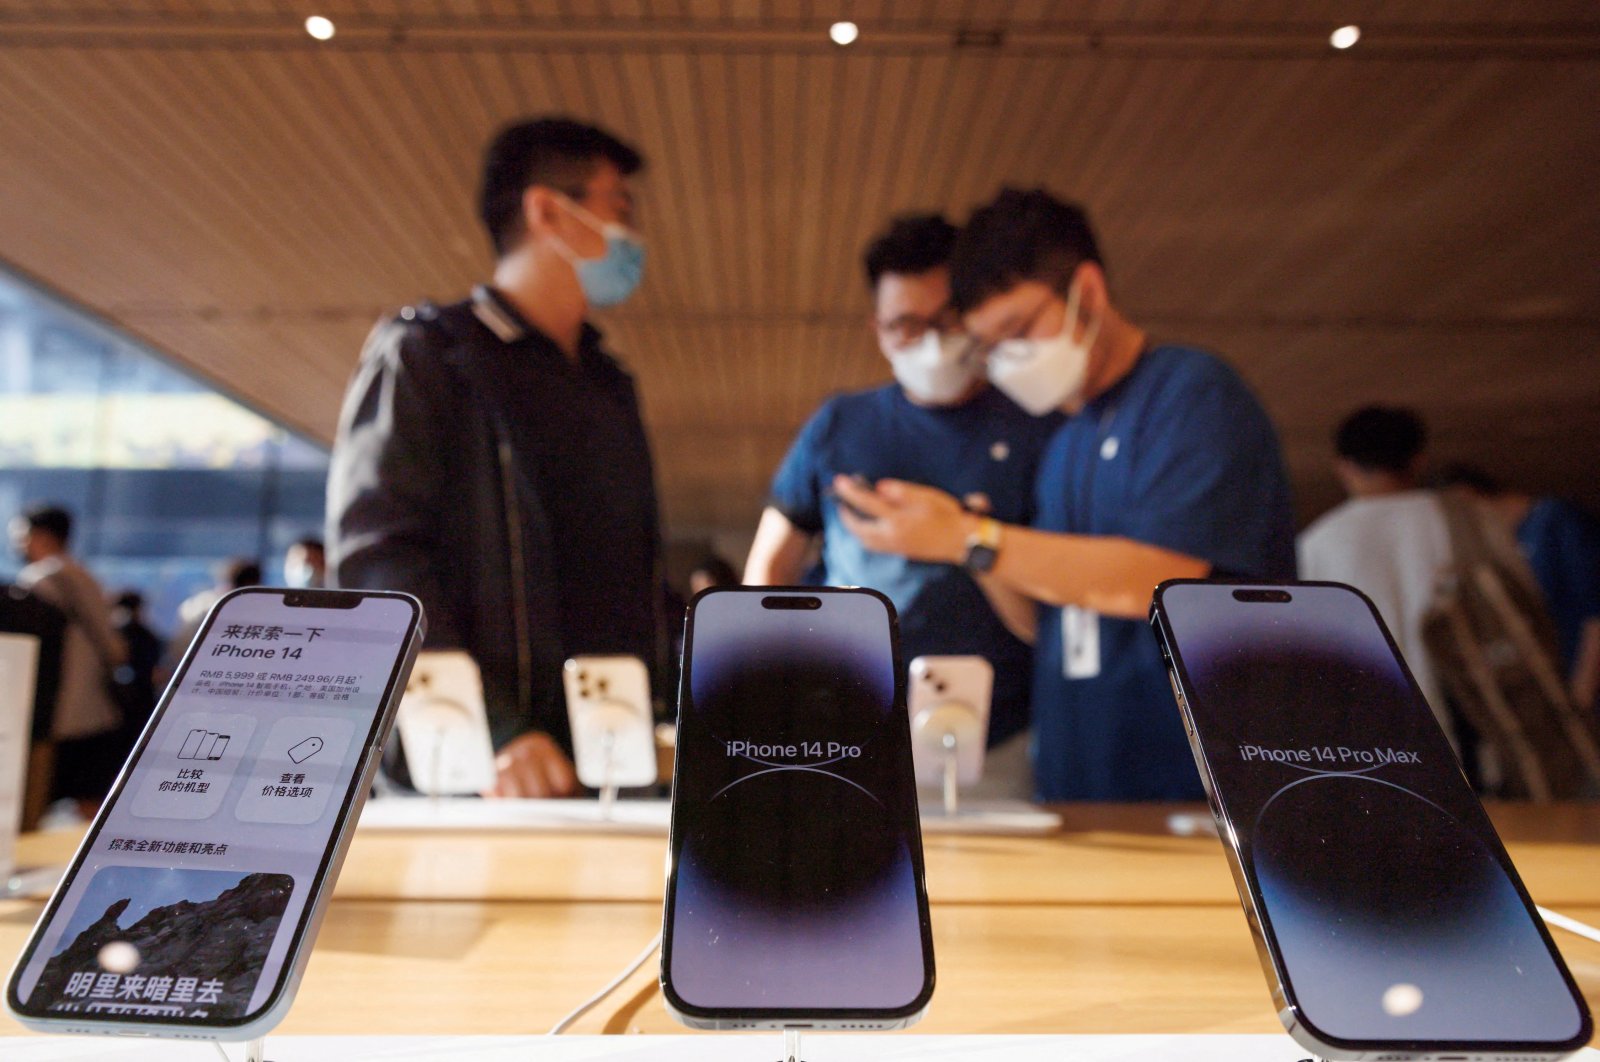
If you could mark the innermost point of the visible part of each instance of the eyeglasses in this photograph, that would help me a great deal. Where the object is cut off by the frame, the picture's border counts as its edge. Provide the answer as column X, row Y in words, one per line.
column 1014, row 348
column 909, row 328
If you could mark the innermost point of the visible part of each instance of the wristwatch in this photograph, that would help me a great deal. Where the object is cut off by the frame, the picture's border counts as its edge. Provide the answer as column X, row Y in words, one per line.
column 983, row 546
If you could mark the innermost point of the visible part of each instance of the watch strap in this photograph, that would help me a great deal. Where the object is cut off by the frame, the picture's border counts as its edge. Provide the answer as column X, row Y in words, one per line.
column 983, row 546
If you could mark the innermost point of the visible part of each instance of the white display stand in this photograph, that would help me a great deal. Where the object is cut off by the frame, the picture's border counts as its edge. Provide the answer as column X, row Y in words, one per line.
column 649, row 817
column 613, row 732
column 991, row 818
column 949, row 700
column 711, row 1047
column 444, row 726
column 19, row 664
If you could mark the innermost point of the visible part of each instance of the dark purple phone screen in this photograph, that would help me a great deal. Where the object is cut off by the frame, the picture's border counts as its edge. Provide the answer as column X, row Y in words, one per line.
column 1381, row 877
column 797, row 864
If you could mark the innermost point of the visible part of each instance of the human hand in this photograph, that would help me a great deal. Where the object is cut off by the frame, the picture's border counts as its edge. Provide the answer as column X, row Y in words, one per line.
column 533, row 765
column 915, row 521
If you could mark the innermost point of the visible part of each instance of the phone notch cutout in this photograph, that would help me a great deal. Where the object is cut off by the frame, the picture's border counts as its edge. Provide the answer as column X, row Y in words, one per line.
column 1264, row 596
column 804, row 604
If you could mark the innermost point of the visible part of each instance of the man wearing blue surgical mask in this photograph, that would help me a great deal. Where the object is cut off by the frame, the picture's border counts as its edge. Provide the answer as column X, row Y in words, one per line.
column 1166, row 467
column 938, row 422
column 491, row 458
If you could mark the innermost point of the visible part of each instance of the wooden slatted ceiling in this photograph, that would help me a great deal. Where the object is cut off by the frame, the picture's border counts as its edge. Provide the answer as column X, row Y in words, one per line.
column 1022, row 13
column 1344, row 228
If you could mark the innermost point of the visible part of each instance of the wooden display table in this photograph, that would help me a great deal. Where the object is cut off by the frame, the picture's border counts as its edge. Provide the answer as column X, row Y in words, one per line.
column 1112, row 926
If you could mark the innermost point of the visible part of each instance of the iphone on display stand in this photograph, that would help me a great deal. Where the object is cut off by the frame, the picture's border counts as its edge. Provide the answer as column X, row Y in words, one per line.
column 795, row 895
column 190, row 908
column 950, row 722
column 444, row 727
column 613, row 728
column 1388, row 917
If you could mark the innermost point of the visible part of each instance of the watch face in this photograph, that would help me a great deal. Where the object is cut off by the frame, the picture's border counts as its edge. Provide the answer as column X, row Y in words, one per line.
column 980, row 558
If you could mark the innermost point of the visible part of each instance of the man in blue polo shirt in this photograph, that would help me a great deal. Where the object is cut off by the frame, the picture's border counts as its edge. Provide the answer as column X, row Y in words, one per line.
column 938, row 423
column 1167, row 467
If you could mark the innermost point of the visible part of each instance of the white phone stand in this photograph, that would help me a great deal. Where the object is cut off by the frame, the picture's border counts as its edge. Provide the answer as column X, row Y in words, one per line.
column 949, row 700
column 444, row 726
column 943, row 727
column 606, row 719
column 254, row 1050
column 791, row 1045
column 448, row 723
column 613, row 731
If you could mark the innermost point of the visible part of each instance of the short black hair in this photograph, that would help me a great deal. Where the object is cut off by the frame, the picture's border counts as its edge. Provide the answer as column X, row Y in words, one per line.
column 1461, row 474
column 238, row 572
column 719, row 571
column 1023, row 234
column 132, row 600
column 556, row 152
column 913, row 244
column 52, row 519
column 1381, row 438
column 310, row 542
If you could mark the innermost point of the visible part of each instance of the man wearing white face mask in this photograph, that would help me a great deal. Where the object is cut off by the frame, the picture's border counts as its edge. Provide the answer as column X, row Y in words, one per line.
column 1167, row 467
column 491, row 458
column 938, row 423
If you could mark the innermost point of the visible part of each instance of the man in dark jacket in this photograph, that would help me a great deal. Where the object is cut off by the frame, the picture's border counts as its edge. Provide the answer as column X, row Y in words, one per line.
column 491, row 458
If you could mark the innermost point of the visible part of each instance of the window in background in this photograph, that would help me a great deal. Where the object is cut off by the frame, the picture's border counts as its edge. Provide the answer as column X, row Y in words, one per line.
column 164, row 476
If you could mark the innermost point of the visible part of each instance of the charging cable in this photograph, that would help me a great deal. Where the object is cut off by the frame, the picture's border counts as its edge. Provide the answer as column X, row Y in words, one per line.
column 1571, row 925
column 593, row 1001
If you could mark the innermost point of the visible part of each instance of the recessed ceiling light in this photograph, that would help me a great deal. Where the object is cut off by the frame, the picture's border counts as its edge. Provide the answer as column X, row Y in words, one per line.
column 320, row 28
column 844, row 33
column 1345, row 37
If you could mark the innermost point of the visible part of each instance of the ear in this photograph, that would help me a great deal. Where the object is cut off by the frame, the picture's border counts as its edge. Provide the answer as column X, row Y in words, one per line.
column 1348, row 473
column 1094, row 298
column 541, row 211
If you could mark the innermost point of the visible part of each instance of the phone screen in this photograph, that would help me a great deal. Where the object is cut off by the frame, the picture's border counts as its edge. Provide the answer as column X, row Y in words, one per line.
column 1396, row 914
column 797, row 861
column 192, row 888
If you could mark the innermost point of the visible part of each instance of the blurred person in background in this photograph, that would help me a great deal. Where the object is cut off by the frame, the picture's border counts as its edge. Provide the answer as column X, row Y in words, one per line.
column 712, row 570
column 235, row 573
column 491, row 458
column 939, row 422
column 1562, row 545
column 1388, row 539
column 134, row 682
column 1165, row 467
column 87, row 720
column 305, row 564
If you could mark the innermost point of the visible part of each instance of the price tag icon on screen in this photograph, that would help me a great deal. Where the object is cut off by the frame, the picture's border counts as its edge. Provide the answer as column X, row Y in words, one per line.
column 306, row 749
